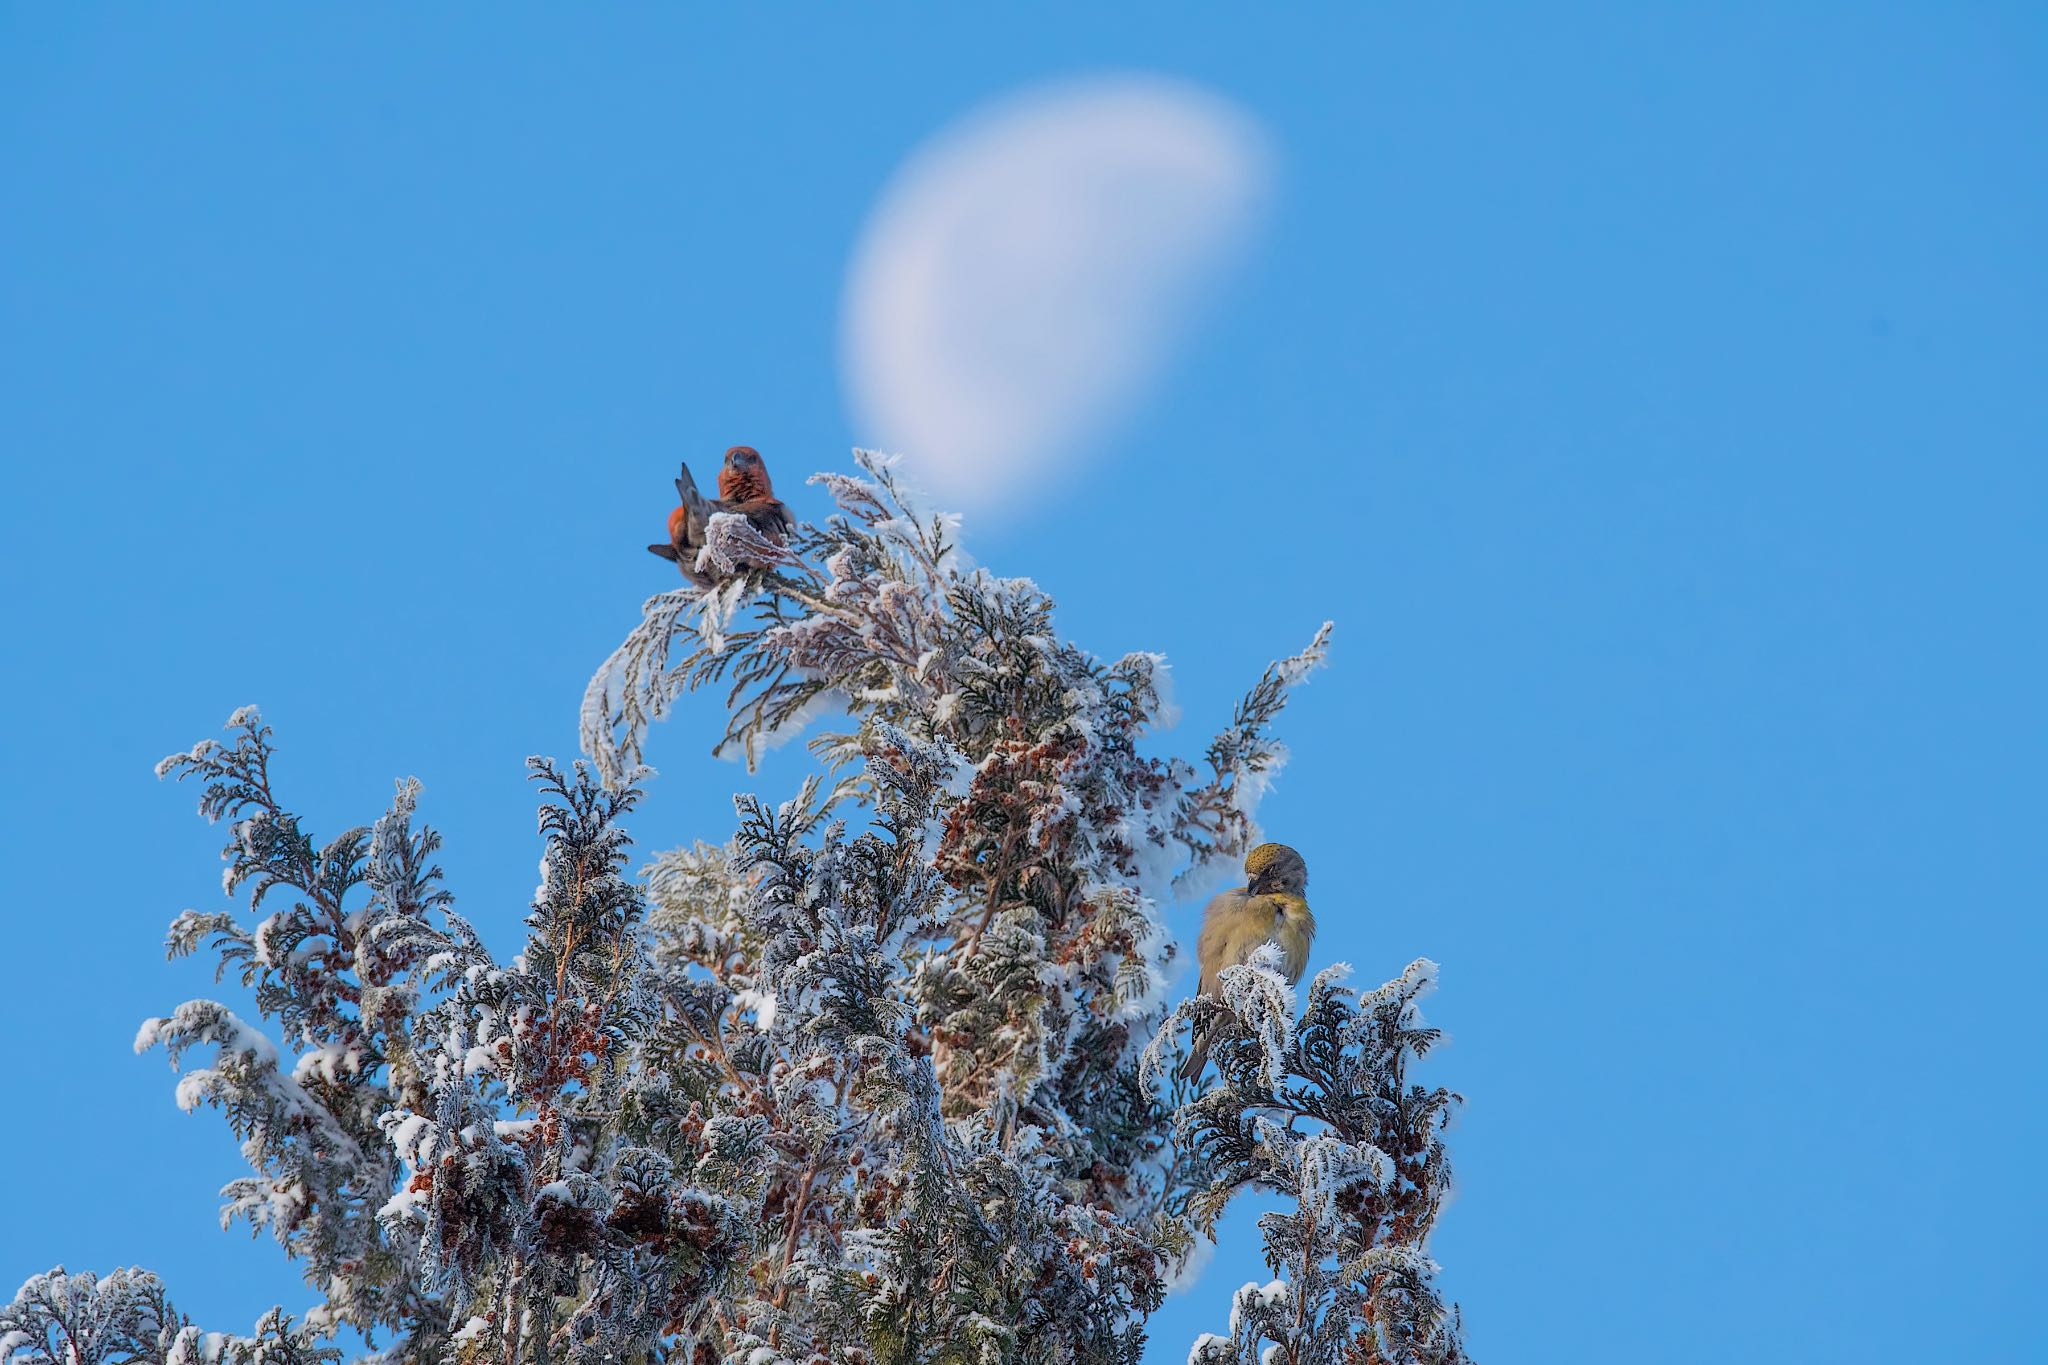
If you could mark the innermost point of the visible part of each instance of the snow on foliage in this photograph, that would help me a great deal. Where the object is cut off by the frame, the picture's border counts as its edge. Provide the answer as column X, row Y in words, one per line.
column 883, row 1079
column 60, row 1319
column 1322, row 1110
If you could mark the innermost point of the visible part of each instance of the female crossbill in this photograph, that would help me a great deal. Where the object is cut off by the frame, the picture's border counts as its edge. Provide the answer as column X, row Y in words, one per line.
column 1271, row 907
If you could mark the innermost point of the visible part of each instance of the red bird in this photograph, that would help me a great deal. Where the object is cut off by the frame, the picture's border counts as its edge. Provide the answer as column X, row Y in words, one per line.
column 743, row 478
column 743, row 487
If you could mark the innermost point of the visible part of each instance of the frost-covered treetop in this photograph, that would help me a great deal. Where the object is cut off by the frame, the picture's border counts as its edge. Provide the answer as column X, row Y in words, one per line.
column 880, row 1079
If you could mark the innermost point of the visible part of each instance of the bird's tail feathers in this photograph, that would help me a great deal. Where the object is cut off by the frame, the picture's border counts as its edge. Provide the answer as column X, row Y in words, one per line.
column 686, row 487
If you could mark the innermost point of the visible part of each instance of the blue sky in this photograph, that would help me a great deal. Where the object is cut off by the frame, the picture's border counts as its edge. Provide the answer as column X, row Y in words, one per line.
column 1654, row 397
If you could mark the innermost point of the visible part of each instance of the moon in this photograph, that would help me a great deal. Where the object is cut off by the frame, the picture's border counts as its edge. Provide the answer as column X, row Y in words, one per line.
column 1027, row 275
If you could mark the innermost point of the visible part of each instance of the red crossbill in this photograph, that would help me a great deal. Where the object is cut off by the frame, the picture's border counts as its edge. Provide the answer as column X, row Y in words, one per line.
column 1272, row 907
column 743, row 487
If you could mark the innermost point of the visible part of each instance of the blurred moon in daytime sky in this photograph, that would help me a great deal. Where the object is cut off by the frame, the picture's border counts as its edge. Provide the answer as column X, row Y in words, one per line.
column 1029, row 271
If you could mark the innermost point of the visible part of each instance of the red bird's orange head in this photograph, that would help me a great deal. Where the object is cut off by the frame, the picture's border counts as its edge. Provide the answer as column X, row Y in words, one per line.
column 743, row 478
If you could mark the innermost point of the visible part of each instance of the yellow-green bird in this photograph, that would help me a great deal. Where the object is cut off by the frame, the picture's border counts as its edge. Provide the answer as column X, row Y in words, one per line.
column 1272, row 907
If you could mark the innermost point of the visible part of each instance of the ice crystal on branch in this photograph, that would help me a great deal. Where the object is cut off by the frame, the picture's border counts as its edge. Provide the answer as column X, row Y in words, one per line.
column 878, row 1080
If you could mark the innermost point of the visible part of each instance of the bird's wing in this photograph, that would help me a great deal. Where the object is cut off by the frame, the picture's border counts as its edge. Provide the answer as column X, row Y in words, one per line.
column 1223, row 924
column 694, row 529
column 1229, row 934
column 766, row 515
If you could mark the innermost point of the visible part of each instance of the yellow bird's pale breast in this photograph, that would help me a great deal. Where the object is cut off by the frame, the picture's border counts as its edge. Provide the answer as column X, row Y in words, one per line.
column 1237, row 923
column 1294, row 929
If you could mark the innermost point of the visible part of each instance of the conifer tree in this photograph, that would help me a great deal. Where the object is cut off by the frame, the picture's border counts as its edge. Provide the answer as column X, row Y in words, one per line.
column 884, row 1078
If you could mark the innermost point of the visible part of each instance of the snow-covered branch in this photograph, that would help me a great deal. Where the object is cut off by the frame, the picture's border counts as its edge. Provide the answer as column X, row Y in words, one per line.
column 879, row 1079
